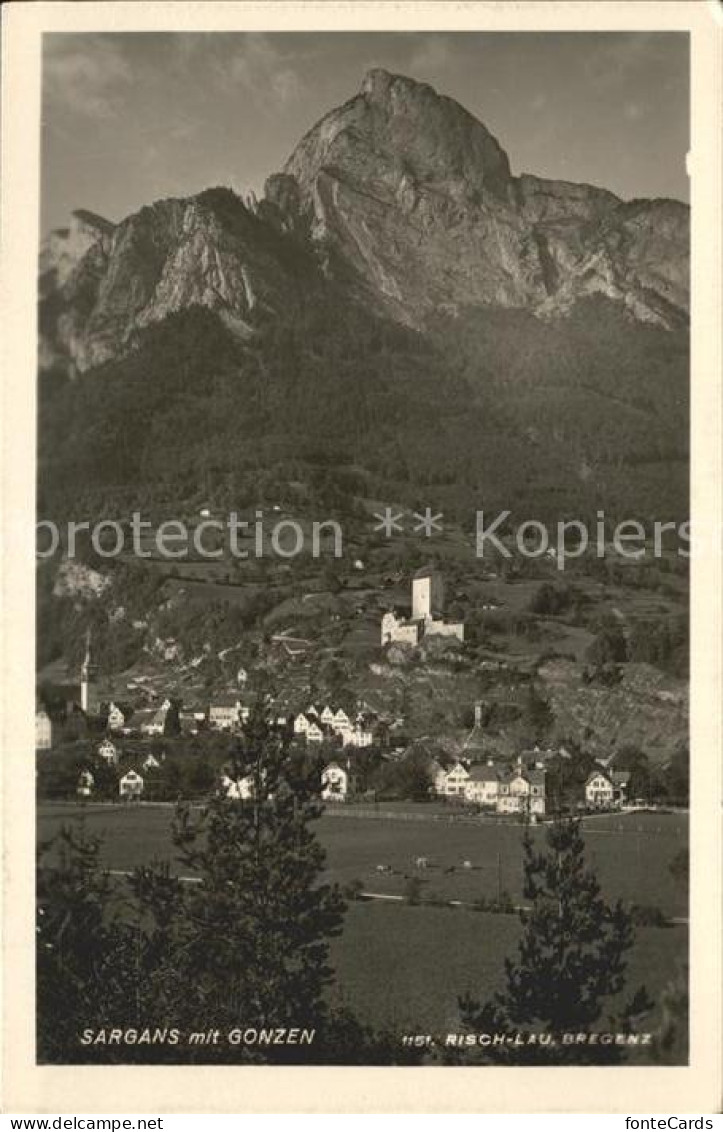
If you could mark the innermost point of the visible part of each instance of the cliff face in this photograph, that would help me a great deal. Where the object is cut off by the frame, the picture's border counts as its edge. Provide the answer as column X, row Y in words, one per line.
column 412, row 199
column 208, row 251
column 401, row 200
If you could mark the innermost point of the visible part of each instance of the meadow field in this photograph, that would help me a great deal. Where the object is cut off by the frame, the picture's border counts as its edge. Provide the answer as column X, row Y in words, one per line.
column 403, row 966
column 630, row 852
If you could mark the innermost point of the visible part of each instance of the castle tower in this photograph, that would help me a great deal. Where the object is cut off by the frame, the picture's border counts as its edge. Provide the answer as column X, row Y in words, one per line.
column 88, row 681
column 427, row 594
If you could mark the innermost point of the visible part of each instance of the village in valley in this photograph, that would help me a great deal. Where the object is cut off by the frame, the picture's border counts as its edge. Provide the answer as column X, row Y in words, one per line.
column 362, row 618
column 123, row 744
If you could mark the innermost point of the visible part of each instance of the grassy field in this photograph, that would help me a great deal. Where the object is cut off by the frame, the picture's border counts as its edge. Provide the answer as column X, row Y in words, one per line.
column 430, row 955
column 630, row 853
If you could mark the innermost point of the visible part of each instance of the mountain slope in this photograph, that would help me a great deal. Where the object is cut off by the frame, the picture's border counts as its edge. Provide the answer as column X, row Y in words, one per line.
column 411, row 196
column 401, row 201
column 208, row 251
column 332, row 405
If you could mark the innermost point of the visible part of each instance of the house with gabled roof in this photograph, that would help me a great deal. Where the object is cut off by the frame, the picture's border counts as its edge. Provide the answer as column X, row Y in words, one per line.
column 108, row 752
column 155, row 724
column 118, row 715
column 301, row 723
column 43, row 730
column 599, row 790
column 86, row 782
column 482, row 785
column 437, row 774
column 606, row 789
column 131, row 786
column 238, row 789
column 455, row 780
column 334, row 783
column 224, row 712
column 522, row 792
column 357, row 736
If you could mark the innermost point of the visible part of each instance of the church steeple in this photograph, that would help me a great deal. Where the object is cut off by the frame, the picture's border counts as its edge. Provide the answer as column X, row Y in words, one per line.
column 88, row 692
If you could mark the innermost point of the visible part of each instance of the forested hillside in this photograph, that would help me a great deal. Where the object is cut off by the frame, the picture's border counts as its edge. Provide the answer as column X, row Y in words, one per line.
column 496, row 408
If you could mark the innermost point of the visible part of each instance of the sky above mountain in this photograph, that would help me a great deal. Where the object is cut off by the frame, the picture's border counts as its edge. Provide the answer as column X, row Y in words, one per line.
column 130, row 118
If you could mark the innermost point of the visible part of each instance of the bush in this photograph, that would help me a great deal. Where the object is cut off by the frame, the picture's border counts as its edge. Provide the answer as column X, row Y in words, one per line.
column 413, row 890
column 648, row 916
column 352, row 890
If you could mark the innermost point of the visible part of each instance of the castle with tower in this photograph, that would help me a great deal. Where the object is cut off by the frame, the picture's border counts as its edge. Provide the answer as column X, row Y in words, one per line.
column 426, row 615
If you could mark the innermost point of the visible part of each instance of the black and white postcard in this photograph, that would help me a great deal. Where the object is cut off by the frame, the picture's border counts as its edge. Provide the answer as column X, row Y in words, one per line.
column 362, row 484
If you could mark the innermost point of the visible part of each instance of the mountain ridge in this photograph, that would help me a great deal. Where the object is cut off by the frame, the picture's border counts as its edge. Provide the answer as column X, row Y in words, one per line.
column 400, row 200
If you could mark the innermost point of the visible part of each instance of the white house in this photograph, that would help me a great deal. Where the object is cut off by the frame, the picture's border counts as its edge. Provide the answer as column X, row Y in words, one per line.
column 455, row 780
column 341, row 723
column 522, row 792
column 327, row 716
column 358, row 736
column 150, row 762
column 482, row 786
column 131, row 785
column 334, row 783
column 606, row 789
column 301, row 724
column 438, row 775
column 599, row 790
column 238, row 788
column 116, row 716
column 108, row 752
column 155, row 724
column 224, row 713
column 308, row 725
column 86, row 782
column 43, row 730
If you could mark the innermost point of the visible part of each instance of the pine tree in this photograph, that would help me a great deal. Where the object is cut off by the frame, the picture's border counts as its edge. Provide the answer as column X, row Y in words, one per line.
column 81, row 947
column 571, row 962
column 670, row 1044
column 246, row 945
column 254, row 937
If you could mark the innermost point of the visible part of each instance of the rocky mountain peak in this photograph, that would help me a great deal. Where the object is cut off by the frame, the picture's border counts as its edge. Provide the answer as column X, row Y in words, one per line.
column 403, row 200
column 397, row 128
column 65, row 247
column 411, row 201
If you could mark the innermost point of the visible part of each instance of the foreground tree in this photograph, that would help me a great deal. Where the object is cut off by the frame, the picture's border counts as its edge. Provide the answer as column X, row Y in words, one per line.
column 243, row 944
column 571, row 963
column 81, row 950
column 254, row 937
column 670, row 1044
